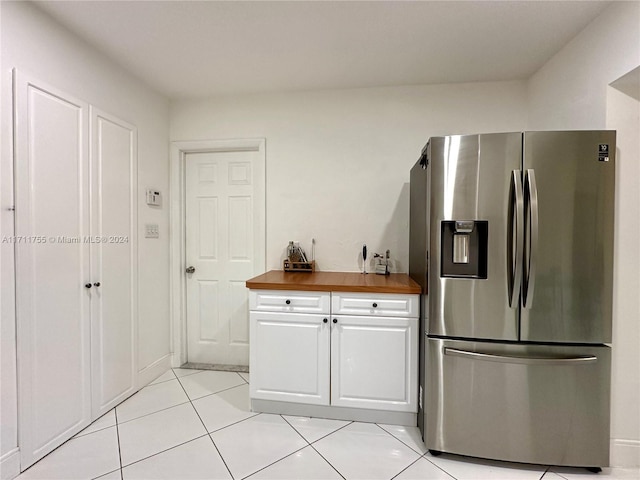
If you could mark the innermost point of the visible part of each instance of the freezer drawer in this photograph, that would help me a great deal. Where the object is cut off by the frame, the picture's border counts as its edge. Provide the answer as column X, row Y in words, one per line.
column 521, row 403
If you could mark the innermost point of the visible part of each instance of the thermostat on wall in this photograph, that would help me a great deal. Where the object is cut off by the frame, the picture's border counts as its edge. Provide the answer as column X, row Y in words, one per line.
column 154, row 197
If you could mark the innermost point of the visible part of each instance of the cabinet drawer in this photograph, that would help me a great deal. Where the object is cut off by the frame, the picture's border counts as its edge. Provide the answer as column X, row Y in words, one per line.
column 379, row 304
column 289, row 301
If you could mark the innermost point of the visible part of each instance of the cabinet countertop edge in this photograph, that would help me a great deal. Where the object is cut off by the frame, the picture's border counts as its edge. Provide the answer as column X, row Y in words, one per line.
column 334, row 282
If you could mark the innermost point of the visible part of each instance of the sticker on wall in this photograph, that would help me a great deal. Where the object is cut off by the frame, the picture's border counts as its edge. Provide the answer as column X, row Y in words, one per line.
column 603, row 152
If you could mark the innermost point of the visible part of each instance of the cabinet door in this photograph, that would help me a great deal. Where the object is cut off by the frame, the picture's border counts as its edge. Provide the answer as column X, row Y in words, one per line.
column 289, row 357
column 113, row 208
column 52, row 267
column 374, row 363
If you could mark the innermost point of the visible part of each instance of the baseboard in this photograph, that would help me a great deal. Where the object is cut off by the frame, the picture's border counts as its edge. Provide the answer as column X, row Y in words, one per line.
column 625, row 453
column 176, row 361
column 10, row 464
column 149, row 373
column 336, row 413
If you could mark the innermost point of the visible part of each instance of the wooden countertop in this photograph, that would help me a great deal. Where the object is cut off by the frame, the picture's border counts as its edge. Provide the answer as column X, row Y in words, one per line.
column 334, row 282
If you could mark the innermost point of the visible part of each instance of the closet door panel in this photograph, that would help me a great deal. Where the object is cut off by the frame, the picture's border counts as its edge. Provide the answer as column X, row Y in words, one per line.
column 113, row 199
column 52, row 266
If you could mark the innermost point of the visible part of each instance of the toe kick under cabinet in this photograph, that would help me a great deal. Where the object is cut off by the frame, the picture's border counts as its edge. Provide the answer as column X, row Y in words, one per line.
column 335, row 354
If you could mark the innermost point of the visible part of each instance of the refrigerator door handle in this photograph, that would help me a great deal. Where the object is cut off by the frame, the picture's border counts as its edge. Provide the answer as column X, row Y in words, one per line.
column 531, row 232
column 489, row 357
column 515, row 235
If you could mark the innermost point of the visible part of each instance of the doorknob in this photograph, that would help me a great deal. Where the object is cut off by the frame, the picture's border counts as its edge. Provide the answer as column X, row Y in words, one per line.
column 190, row 269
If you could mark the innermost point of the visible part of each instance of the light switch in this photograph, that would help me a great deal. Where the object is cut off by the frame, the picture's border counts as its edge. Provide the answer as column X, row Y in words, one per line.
column 151, row 230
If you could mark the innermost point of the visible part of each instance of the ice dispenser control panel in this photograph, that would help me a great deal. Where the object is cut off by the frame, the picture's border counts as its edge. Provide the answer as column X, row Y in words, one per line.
column 463, row 249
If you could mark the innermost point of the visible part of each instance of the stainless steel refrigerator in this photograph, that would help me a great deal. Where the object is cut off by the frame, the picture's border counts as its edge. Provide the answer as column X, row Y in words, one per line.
column 511, row 239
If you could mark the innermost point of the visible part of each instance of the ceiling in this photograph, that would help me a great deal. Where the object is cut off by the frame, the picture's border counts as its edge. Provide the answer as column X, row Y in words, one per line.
column 194, row 49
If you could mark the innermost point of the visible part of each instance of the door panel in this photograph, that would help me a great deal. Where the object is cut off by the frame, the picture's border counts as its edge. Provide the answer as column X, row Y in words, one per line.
column 225, row 244
column 572, row 299
column 470, row 180
column 52, row 266
column 290, row 357
column 374, row 363
column 520, row 403
column 114, row 220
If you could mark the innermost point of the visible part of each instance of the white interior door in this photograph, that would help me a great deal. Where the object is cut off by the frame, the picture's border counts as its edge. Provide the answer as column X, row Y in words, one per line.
column 52, row 267
column 225, row 243
column 114, row 258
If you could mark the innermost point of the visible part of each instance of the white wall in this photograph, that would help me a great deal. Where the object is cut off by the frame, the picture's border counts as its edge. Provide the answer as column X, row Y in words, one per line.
column 35, row 44
column 623, row 115
column 571, row 92
column 338, row 161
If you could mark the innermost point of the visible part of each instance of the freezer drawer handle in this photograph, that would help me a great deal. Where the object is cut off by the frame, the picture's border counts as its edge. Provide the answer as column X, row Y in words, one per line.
column 489, row 357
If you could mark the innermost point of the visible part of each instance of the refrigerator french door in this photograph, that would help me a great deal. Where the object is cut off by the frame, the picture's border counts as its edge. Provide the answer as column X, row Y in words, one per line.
column 519, row 299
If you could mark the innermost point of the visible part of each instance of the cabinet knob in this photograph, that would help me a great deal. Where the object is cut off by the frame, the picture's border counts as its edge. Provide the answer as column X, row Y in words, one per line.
column 335, row 320
column 325, row 320
column 375, row 305
column 288, row 302
column 97, row 284
column 87, row 285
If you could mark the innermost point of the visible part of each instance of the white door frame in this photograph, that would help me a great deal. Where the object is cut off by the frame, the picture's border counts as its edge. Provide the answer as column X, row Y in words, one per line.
column 178, row 300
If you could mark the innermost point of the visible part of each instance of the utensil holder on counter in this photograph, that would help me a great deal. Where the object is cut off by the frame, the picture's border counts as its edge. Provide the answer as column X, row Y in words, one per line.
column 290, row 266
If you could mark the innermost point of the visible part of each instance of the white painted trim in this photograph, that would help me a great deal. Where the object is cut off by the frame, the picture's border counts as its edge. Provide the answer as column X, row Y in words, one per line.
column 149, row 373
column 625, row 453
column 10, row 464
column 177, row 227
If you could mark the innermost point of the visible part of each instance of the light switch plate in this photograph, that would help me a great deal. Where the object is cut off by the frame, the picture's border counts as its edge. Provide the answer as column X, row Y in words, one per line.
column 151, row 230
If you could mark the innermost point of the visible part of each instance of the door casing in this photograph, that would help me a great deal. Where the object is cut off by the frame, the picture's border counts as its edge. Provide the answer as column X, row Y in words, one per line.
column 178, row 300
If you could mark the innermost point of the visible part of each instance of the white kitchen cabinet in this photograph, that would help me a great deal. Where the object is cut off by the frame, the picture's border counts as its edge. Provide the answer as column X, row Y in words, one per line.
column 338, row 349
column 289, row 357
column 374, row 362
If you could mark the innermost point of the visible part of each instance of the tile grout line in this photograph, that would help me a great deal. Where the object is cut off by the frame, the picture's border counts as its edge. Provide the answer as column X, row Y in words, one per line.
column 221, row 457
column 436, row 465
column 407, row 467
column 322, row 456
column 404, row 443
column 243, row 379
column 115, row 413
column 330, row 464
column 234, row 423
column 273, row 463
column 78, row 435
column 153, row 413
column 165, row 450
column 177, row 404
column 335, row 431
column 206, row 429
column 214, row 393
column 295, row 430
column 188, row 374
column 69, row 440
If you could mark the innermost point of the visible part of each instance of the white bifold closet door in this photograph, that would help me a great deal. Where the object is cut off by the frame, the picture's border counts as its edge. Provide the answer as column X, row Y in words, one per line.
column 74, row 184
column 113, row 260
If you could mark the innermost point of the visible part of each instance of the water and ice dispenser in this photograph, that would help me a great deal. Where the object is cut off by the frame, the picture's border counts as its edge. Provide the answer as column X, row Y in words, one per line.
column 464, row 249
